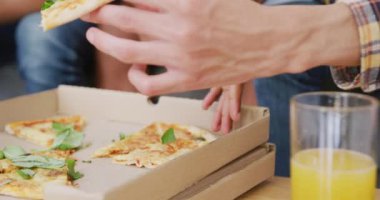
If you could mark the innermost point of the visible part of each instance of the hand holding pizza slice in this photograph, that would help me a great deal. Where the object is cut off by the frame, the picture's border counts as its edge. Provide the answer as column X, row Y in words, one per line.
column 58, row 12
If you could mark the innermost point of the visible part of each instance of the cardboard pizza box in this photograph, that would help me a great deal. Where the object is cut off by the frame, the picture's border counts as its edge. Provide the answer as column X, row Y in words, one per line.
column 235, row 178
column 107, row 114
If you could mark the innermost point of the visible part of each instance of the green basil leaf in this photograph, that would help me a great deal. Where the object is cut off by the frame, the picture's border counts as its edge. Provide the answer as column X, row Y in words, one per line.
column 59, row 139
column 67, row 138
column 64, row 147
column 31, row 161
column 47, row 4
column 30, row 158
column 13, row 151
column 168, row 136
column 122, row 136
column 74, row 140
column 74, row 175
column 2, row 156
column 26, row 164
column 26, row 173
column 59, row 127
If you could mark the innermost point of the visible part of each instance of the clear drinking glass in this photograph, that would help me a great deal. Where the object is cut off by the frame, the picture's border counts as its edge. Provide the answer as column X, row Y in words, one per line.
column 333, row 140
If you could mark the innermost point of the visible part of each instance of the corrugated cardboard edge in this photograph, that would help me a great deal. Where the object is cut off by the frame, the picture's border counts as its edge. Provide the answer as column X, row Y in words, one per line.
column 236, row 178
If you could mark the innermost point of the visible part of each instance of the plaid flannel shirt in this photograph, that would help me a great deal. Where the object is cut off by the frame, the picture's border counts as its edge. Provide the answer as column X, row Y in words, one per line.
column 367, row 75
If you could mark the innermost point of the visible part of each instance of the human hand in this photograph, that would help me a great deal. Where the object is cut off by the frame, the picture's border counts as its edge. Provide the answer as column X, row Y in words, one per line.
column 230, row 100
column 228, row 109
column 198, row 41
column 205, row 44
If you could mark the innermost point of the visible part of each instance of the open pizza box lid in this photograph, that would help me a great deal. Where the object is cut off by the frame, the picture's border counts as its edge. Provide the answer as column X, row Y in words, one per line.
column 107, row 114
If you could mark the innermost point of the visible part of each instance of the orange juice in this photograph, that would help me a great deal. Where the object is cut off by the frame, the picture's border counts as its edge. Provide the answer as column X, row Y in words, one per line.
column 332, row 174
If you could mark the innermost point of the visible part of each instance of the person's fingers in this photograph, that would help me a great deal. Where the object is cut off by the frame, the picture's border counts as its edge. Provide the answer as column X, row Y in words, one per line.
column 211, row 97
column 235, row 94
column 148, row 8
column 218, row 116
column 128, row 19
column 226, row 120
column 162, row 5
column 151, row 85
column 130, row 51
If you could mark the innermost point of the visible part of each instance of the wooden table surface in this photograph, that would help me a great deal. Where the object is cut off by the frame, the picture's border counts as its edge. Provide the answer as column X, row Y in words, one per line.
column 276, row 188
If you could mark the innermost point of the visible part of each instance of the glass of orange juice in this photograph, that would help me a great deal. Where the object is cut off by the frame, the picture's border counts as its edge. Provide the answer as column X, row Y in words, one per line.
column 333, row 141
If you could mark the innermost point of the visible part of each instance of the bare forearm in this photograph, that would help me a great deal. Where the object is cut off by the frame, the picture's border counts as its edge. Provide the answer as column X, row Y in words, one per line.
column 318, row 35
column 339, row 37
column 12, row 10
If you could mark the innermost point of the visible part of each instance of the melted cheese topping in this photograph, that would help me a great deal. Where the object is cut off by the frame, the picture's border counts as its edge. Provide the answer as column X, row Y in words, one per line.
column 144, row 148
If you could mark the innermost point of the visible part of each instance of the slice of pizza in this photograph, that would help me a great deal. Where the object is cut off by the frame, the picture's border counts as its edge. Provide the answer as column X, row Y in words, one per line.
column 24, row 175
column 13, row 184
column 58, row 12
column 46, row 132
column 155, row 145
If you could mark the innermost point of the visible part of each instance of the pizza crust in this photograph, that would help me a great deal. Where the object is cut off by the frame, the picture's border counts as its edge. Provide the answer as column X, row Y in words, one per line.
column 66, row 11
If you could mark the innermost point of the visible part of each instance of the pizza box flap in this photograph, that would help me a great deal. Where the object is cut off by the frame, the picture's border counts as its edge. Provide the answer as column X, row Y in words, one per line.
column 108, row 113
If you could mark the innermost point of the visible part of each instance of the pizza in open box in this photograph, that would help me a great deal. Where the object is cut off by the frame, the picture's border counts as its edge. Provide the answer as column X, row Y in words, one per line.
column 155, row 145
